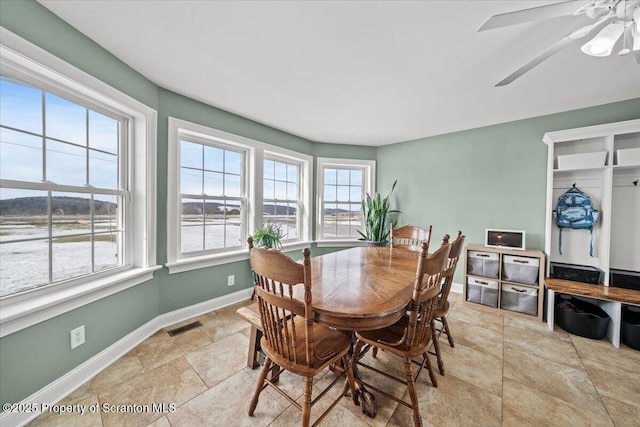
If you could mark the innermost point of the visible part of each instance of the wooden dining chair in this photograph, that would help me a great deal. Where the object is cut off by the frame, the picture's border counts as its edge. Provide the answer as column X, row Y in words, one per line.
column 291, row 339
column 409, row 237
column 442, row 307
column 409, row 337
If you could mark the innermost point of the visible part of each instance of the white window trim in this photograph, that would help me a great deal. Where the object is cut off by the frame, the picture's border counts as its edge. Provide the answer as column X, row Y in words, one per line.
column 369, row 183
column 28, row 308
column 256, row 151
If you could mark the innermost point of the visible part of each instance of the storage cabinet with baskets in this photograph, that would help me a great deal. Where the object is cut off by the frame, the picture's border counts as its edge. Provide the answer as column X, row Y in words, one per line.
column 505, row 279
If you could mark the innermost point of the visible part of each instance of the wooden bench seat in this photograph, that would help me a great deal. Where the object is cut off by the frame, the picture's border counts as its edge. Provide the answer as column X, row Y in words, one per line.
column 609, row 298
column 251, row 313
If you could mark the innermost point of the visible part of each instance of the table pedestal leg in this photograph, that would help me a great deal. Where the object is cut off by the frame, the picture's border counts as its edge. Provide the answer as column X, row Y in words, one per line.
column 362, row 396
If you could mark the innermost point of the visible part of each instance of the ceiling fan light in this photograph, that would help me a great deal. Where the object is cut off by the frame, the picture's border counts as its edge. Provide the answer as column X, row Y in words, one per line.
column 602, row 44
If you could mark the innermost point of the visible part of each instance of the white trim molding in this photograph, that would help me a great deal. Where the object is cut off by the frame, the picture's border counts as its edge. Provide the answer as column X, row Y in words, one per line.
column 25, row 60
column 253, row 181
column 368, row 186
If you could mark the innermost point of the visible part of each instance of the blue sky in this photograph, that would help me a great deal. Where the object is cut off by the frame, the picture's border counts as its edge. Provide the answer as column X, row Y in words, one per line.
column 21, row 153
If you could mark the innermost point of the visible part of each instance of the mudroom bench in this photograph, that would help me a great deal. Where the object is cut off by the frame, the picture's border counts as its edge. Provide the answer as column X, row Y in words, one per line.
column 608, row 298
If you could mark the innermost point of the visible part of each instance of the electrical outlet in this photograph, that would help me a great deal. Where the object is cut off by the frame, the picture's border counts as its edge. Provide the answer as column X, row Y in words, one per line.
column 77, row 337
column 231, row 280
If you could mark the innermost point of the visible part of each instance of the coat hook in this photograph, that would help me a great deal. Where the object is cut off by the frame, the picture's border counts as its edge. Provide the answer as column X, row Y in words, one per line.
column 574, row 185
column 636, row 182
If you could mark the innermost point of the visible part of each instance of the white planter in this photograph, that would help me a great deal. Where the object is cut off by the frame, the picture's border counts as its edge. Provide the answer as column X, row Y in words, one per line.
column 582, row 161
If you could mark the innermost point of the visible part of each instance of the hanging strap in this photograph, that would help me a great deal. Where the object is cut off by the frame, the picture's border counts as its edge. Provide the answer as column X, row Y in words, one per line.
column 560, row 241
column 591, row 241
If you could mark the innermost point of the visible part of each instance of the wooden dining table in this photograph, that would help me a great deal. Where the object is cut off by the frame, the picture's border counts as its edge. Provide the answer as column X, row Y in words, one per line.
column 362, row 288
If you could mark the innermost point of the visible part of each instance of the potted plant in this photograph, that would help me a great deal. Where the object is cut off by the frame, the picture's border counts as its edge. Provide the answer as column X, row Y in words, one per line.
column 269, row 235
column 375, row 211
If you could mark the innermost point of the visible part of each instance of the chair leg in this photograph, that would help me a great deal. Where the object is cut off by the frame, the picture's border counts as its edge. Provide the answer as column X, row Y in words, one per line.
column 445, row 325
column 436, row 347
column 374, row 352
column 306, row 405
column 417, row 419
column 432, row 374
column 351, row 382
column 263, row 375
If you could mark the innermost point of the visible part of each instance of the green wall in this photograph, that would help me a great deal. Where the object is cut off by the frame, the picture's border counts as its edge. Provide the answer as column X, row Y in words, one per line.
column 459, row 169
column 491, row 177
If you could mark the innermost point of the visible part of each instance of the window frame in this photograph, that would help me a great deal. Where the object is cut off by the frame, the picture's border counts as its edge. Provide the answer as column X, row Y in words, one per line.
column 369, row 180
column 27, row 62
column 253, row 189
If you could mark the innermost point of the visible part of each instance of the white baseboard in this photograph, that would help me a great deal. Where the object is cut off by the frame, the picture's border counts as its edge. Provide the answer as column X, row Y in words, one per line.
column 74, row 379
column 456, row 288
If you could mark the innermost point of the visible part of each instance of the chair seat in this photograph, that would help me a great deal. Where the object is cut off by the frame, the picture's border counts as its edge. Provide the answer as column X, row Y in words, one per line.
column 392, row 334
column 441, row 311
column 330, row 346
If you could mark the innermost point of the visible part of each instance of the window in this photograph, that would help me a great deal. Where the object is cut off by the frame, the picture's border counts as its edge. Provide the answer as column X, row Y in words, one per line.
column 63, row 190
column 281, row 196
column 341, row 186
column 73, row 153
column 212, row 195
column 222, row 187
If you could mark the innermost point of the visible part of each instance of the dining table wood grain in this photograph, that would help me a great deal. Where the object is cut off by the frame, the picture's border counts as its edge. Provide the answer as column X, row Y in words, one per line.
column 362, row 288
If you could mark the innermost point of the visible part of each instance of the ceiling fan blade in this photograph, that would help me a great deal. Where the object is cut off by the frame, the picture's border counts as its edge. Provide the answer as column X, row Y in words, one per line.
column 532, row 14
column 559, row 45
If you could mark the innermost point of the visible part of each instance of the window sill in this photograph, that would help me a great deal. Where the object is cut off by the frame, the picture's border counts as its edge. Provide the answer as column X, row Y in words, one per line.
column 24, row 310
column 340, row 243
column 204, row 261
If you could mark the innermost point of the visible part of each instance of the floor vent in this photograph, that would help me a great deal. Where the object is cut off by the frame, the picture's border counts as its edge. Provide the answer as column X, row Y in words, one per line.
column 185, row 328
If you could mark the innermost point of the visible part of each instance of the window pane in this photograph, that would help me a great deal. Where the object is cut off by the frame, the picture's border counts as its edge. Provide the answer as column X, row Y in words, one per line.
column 106, row 211
column 213, row 159
column 329, row 192
column 103, row 170
column 21, row 105
column 71, row 257
column 330, row 176
column 103, row 133
column 343, row 176
column 23, row 215
column 25, row 266
column 280, row 171
column 71, row 214
column 232, row 186
column 213, row 183
column 292, row 173
column 66, row 163
column 268, row 169
column 291, row 221
column 190, row 181
column 281, row 190
column 214, row 225
column 330, row 220
column 268, row 189
column 192, row 225
column 292, row 191
column 355, row 220
column 355, row 194
column 106, row 251
column 356, row 177
column 233, row 237
column 20, row 156
column 343, row 192
column 232, row 162
column 65, row 120
column 190, row 155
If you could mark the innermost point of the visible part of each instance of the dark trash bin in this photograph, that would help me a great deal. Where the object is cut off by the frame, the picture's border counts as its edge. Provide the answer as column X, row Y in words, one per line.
column 631, row 326
column 581, row 318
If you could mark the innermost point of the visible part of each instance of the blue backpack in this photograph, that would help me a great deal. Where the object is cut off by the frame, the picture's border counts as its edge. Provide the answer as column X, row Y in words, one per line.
column 575, row 210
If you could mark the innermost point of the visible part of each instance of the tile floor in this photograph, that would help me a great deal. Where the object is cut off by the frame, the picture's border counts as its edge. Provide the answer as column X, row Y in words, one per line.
column 504, row 370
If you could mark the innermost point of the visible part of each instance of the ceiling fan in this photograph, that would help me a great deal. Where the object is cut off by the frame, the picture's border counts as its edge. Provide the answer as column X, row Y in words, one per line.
column 613, row 19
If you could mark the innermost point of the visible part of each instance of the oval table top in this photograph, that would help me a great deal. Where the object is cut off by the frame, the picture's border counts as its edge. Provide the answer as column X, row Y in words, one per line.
column 362, row 288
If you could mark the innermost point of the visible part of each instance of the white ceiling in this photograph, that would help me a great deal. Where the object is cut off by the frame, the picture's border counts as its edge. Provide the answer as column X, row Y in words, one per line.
column 355, row 72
